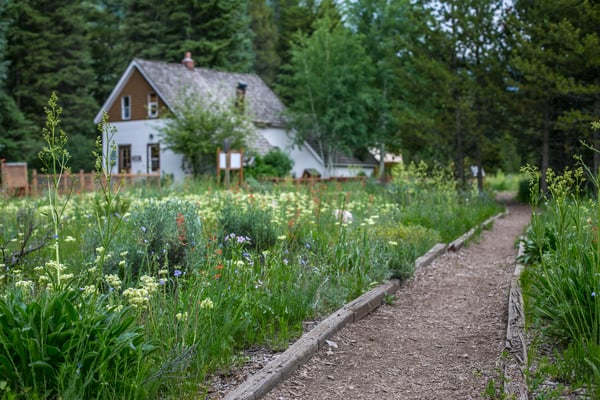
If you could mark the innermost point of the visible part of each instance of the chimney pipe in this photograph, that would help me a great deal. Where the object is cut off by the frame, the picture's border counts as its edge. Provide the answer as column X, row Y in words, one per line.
column 187, row 61
column 240, row 95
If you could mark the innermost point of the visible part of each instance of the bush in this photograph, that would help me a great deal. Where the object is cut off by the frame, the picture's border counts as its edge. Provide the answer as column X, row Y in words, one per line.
column 253, row 223
column 275, row 163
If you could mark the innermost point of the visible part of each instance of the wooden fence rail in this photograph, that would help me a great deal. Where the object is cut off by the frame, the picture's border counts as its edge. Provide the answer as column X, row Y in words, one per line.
column 86, row 182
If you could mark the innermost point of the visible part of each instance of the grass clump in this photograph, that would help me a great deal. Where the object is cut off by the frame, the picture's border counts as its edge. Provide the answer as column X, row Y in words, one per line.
column 562, row 279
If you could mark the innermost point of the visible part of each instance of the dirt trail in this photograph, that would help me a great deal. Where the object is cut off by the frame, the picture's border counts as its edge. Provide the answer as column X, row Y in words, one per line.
column 440, row 339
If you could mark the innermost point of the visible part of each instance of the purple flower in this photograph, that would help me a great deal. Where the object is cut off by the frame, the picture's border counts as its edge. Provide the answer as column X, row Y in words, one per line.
column 177, row 273
column 162, row 282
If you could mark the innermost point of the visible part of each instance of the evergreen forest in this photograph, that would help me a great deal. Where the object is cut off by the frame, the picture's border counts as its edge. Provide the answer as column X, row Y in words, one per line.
column 494, row 83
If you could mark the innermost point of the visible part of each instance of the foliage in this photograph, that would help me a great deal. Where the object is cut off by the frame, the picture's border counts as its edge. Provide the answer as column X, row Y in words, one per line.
column 199, row 127
column 267, row 60
column 554, row 64
column 329, row 87
column 419, row 184
column 251, row 222
column 217, row 32
column 275, row 163
column 562, row 279
column 38, row 33
column 63, row 344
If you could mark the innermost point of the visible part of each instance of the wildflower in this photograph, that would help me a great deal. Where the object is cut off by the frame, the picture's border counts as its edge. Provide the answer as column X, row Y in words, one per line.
column 124, row 253
column 113, row 281
column 88, row 290
column 25, row 284
column 69, row 239
column 181, row 316
column 100, row 250
column 177, row 273
column 282, row 237
column 149, row 284
column 207, row 304
column 392, row 243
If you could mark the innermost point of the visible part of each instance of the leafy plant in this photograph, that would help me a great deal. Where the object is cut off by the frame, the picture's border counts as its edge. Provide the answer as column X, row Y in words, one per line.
column 64, row 344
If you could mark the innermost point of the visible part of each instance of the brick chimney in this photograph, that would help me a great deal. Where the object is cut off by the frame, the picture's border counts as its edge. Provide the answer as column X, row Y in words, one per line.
column 187, row 61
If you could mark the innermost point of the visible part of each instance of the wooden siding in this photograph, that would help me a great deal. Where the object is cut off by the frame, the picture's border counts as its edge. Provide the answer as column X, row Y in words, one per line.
column 138, row 89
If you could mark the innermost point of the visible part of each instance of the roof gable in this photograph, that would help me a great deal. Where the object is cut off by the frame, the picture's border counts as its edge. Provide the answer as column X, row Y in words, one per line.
column 170, row 81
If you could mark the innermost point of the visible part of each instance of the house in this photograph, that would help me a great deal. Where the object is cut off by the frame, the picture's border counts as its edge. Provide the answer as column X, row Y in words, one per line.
column 147, row 89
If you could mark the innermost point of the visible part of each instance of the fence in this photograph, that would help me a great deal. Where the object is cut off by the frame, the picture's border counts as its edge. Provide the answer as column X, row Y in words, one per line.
column 13, row 177
column 86, row 182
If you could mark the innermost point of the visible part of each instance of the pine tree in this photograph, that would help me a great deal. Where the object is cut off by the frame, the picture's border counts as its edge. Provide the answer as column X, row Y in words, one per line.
column 48, row 52
column 216, row 32
column 555, row 64
column 267, row 60
column 16, row 142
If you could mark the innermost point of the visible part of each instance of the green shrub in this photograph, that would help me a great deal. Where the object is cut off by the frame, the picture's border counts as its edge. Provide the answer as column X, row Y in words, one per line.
column 253, row 222
column 64, row 345
column 561, row 282
column 275, row 163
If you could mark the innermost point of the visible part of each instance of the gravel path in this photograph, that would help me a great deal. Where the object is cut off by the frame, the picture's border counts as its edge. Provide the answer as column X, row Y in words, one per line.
column 442, row 337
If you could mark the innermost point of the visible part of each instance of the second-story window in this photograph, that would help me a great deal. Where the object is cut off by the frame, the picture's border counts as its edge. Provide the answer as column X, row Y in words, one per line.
column 152, row 105
column 126, row 107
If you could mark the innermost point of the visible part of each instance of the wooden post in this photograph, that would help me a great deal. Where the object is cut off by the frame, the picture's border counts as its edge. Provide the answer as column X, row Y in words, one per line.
column 218, row 164
column 227, row 168
column 34, row 182
column 241, row 166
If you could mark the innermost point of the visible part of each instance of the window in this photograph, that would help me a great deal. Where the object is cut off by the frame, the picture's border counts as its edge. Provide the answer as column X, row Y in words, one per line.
column 125, row 158
column 153, row 157
column 126, row 107
column 152, row 105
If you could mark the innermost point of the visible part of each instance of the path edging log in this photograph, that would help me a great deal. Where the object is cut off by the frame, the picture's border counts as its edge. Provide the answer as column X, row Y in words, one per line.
column 516, row 343
column 284, row 364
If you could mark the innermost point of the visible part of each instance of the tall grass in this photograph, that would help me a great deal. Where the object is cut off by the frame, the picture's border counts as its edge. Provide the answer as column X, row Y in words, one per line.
column 562, row 278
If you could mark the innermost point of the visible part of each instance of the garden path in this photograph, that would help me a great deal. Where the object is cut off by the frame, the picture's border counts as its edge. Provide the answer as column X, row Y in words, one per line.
column 442, row 338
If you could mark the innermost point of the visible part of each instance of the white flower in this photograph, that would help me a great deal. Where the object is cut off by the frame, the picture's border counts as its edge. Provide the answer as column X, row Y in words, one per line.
column 207, row 303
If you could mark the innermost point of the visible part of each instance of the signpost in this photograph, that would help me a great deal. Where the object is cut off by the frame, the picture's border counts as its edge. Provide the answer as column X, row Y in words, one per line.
column 230, row 161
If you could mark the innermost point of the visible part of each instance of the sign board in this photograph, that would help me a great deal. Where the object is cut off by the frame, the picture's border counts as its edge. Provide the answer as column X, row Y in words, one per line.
column 235, row 160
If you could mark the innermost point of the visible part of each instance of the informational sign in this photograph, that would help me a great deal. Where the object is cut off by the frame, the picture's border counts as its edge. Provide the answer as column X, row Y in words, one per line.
column 235, row 160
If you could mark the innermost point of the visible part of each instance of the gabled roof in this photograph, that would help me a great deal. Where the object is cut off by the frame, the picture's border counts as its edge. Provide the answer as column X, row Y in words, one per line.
column 170, row 81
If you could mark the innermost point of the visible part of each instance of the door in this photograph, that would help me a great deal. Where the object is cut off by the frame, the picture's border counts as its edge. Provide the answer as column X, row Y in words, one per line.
column 153, row 158
column 125, row 158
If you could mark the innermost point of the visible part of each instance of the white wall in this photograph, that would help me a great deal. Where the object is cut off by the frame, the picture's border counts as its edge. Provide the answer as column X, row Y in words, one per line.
column 137, row 134
column 302, row 156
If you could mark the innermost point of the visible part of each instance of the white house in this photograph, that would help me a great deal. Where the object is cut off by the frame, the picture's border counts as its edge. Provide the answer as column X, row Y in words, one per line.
column 147, row 89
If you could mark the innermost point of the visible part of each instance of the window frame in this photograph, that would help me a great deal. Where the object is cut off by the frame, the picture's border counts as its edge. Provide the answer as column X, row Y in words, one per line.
column 152, row 105
column 126, row 108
